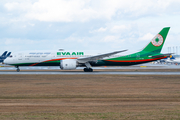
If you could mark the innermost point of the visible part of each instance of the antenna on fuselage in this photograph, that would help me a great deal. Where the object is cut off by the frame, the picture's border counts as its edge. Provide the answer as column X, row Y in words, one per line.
column 61, row 49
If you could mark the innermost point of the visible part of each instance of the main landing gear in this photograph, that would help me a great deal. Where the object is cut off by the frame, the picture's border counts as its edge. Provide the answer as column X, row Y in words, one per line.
column 88, row 70
column 88, row 67
column 18, row 70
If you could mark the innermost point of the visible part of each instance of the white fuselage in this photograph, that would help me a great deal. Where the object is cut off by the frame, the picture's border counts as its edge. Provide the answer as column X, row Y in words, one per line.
column 18, row 59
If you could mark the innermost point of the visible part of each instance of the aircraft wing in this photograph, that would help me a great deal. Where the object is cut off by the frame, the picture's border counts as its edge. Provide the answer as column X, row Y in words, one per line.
column 162, row 55
column 98, row 57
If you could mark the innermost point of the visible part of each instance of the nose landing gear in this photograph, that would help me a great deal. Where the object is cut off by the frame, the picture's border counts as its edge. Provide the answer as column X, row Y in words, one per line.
column 18, row 70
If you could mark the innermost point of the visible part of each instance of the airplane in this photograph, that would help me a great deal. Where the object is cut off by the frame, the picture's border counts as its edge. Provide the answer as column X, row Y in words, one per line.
column 176, row 61
column 71, row 60
column 173, row 60
column 169, row 59
column 165, row 60
column 4, row 56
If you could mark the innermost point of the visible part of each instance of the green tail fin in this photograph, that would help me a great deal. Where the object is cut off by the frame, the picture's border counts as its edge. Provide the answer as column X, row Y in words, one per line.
column 157, row 42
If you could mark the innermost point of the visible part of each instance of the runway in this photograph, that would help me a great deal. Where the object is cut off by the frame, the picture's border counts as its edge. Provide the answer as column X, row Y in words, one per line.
column 144, row 69
column 86, row 73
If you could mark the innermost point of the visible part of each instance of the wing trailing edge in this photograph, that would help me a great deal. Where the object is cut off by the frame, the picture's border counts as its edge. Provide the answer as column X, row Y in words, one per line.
column 98, row 57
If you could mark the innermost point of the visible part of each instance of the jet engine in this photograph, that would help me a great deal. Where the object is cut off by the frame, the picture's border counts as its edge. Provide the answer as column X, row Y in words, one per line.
column 68, row 64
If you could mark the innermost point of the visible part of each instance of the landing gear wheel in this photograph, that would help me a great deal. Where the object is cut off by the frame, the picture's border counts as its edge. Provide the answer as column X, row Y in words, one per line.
column 88, row 70
column 85, row 69
column 18, row 70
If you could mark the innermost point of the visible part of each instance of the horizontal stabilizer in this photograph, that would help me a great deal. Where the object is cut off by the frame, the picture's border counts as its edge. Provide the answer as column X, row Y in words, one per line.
column 162, row 55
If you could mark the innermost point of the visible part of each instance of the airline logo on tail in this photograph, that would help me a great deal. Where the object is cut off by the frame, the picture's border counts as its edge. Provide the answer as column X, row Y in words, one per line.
column 157, row 40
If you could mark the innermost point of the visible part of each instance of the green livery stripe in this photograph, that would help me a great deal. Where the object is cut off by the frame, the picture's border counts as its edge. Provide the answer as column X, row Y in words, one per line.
column 52, row 62
column 145, row 60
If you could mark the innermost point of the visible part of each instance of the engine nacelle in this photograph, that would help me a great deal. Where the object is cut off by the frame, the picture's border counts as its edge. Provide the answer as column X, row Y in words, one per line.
column 68, row 64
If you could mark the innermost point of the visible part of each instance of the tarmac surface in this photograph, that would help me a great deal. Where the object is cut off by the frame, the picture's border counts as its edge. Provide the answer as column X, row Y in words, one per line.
column 144, row 69
column 89, row 73
column 95, row 73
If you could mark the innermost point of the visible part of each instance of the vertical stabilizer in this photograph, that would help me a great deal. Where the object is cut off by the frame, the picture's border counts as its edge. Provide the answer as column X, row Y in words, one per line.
column 8, row 54
column 4, row 54
column 157, row 42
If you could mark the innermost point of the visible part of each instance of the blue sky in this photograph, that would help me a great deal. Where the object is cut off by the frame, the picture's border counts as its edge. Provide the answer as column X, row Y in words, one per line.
column 99, row 25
